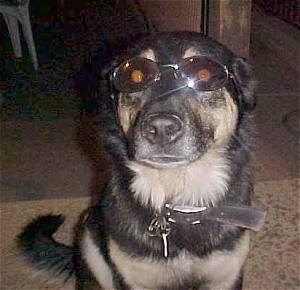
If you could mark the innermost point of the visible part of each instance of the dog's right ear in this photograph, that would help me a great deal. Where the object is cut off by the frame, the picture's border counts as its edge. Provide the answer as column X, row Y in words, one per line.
column 106, row 88
column 244, row 77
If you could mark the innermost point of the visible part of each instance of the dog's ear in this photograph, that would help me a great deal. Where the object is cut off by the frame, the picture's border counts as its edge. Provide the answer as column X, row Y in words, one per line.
column 244, row 77
column 108, row 67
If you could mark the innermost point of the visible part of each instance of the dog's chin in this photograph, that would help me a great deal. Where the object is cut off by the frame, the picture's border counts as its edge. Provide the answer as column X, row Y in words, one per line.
column 165, row 161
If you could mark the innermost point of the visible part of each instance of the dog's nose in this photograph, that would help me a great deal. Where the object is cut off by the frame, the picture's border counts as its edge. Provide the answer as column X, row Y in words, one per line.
column 162, row 128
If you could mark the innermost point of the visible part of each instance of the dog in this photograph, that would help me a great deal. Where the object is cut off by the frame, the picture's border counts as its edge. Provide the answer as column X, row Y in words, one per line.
column 176, row 119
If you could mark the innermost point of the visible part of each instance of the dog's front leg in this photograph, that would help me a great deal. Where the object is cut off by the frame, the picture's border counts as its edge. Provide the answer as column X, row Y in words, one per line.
column 84, row 278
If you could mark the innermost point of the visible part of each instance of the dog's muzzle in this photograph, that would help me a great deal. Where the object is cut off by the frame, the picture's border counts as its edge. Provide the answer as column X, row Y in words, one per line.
column 160, row 132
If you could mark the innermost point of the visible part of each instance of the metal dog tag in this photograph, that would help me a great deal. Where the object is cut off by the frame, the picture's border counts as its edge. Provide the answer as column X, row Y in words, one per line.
column 165, row 241
column 160, row 227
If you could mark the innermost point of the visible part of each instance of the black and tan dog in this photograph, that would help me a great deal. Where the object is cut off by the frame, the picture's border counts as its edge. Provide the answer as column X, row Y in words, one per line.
column 176, row 214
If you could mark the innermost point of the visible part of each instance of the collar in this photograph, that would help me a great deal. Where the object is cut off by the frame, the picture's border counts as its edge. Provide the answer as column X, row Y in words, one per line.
column 247, row 217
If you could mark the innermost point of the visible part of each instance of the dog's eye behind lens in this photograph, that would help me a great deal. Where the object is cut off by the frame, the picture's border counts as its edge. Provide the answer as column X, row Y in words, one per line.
column 206, row 74
column 135, row 75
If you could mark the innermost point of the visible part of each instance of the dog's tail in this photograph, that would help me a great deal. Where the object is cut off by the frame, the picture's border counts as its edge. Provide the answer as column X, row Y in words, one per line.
column 42, row 252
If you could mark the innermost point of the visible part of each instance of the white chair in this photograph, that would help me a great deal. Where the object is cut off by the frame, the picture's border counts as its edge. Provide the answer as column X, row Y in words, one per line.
column 12, row 15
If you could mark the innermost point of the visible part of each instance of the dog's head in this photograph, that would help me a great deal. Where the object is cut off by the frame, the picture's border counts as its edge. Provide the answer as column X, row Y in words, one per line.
column 181, row 101
column 178, row 95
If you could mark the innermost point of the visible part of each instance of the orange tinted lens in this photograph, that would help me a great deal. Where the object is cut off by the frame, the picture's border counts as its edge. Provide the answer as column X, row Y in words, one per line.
column 135, row 75
column 206, row 73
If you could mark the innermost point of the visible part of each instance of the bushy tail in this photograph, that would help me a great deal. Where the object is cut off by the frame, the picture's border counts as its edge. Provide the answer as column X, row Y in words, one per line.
column 42, row 252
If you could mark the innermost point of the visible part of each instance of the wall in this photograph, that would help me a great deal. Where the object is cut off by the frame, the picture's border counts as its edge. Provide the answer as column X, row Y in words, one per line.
column 169, row 15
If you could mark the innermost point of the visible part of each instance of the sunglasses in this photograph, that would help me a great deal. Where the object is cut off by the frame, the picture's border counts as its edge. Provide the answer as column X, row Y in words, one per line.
column 200, row 72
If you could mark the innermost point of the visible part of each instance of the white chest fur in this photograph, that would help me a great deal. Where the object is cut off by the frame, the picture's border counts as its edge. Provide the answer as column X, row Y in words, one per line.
column 200, row 183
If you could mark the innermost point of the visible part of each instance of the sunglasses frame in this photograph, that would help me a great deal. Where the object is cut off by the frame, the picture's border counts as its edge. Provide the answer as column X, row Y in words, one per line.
column 177, row 70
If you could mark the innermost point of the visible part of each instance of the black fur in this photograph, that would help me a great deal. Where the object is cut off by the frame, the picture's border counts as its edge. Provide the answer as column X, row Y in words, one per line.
column 42, row 251
column 117, row 209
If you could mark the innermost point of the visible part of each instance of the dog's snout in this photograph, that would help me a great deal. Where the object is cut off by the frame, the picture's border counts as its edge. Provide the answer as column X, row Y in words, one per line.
column 162, row 129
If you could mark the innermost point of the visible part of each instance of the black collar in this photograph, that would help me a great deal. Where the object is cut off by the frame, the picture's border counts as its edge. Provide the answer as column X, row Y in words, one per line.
column 247, row 217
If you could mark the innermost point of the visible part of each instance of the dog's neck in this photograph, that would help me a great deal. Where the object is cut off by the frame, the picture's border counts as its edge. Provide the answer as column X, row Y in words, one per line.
column 200, row 183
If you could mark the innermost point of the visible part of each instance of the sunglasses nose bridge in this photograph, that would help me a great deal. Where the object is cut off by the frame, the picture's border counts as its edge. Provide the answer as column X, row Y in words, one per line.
column 171, row 69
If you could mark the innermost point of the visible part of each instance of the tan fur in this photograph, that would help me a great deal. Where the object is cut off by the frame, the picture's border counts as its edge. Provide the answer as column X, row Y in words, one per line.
column 126, row 114
column 190, row 52
column 226, row 119
column 149, row 54
column 128, row 107
column 221, row 268
column 222, row 116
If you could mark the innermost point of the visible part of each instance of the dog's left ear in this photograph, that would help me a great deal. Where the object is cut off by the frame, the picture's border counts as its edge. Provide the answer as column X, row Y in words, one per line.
column 243, row 75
